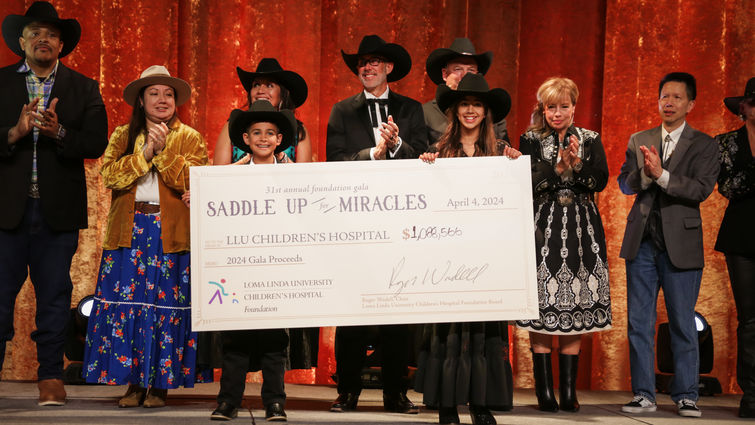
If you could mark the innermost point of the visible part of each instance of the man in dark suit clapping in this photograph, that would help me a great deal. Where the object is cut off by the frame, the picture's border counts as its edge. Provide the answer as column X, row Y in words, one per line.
column 51, row 119
column 671, row 169
column 375, row 124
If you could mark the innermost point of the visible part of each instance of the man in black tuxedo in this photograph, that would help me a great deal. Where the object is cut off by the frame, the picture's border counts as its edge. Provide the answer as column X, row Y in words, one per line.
column 51, row 119
column 373, row 125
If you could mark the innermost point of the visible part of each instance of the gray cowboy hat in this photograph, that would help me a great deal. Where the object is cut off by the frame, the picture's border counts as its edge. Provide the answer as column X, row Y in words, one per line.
column 498, row 100
column 43, row 12
column 461, row 47
column 261, row 111
column 157, row 74
column 270, row 68
column 392, row 52
column 732, row 103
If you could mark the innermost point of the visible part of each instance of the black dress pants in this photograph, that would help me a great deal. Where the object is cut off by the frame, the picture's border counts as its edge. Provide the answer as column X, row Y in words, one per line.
column 252, row 350
column 351, row 350
column 742, row 276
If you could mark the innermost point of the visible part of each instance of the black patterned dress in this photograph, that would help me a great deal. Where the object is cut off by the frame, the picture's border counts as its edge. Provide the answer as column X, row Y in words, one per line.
column 572, row 270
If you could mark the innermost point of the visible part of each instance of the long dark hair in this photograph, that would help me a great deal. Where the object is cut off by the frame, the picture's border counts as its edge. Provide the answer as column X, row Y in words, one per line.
column 287, row 102
column 449, row 144
column 138, row 123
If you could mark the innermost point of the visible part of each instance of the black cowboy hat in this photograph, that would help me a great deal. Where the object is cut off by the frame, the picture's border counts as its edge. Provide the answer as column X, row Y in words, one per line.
column 43, row 12
column 733, row 102
column 498, row 100
column 392, row 52
column 262, row 111
column 461, row 47
column 270, row 68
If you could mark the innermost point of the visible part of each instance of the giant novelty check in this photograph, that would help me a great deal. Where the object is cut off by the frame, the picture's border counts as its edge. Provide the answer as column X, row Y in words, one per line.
column 364, row 242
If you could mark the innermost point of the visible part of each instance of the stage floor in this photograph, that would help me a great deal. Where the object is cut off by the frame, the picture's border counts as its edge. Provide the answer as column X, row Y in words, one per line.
column 309, row 404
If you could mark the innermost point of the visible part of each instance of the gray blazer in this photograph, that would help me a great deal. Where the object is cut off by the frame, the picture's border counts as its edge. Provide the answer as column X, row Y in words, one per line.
column 693, row 169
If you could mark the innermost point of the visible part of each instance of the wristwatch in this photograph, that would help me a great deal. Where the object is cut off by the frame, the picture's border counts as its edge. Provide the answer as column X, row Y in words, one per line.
column 61, row 132
column 577, row 167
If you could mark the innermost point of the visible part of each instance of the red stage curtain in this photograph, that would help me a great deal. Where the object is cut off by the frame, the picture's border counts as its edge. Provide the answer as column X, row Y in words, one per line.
column 615, row 50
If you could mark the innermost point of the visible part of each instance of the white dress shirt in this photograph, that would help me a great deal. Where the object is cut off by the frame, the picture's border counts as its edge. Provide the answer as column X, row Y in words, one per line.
column 376, row 130
column 667, row 149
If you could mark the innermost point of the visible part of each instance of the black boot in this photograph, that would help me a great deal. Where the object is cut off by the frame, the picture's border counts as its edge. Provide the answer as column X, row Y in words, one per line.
column 567, row 382
column 481, row 415
column 543, row 371
column 448, row 416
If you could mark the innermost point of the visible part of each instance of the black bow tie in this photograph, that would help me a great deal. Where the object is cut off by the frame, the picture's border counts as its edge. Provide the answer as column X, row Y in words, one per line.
column 382, row 107
column 381, row 102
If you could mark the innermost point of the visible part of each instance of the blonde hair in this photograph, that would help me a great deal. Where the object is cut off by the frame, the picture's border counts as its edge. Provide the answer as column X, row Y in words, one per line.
column 551, row 91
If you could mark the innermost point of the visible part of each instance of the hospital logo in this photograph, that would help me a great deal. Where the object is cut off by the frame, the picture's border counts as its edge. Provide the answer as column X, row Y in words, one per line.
column 220, row 292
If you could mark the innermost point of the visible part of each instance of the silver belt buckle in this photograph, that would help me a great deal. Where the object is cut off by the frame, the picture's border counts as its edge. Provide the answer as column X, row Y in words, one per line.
column 565, row 197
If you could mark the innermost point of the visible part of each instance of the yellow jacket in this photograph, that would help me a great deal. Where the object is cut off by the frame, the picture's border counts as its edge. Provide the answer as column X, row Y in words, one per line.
column 184, row 147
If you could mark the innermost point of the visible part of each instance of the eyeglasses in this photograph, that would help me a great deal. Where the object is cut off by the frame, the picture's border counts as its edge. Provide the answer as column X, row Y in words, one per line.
column 374, row 61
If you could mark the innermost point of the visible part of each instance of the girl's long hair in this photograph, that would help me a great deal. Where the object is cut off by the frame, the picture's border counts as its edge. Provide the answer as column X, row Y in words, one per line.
column 449, row 144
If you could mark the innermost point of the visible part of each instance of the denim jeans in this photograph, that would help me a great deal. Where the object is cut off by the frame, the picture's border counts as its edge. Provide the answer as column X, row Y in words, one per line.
column 45, row 254
column 650, row 271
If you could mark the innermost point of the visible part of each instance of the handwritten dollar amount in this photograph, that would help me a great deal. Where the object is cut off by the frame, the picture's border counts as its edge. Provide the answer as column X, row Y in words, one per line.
column 431, row 232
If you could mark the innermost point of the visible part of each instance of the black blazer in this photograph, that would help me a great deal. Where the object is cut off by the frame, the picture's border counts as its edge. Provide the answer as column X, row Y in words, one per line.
column 350, row 135
column 60, row 164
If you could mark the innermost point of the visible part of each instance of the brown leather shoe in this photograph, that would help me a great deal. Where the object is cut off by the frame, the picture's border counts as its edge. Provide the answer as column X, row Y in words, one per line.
column 51, row 392
column 134, row 396
column 156, row 398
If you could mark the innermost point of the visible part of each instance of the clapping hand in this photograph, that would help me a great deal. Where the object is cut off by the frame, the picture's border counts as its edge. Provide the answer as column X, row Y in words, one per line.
column 155, row 140
column 389, row 133
column 452, row 81
column 24, row 124
column 652, row 162
column 46, row 120
column 569, row 157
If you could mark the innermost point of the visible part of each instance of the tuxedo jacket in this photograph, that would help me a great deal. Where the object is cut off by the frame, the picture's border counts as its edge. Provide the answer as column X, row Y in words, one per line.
column 350, row 135
column 693, row 169
column 60, row 164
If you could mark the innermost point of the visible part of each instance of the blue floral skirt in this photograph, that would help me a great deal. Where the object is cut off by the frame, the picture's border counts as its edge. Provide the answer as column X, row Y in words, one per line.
column 140, row 328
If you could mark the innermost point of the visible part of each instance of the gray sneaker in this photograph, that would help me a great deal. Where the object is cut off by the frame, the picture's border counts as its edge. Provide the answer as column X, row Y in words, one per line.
column 640, row 404
column 688, row 408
